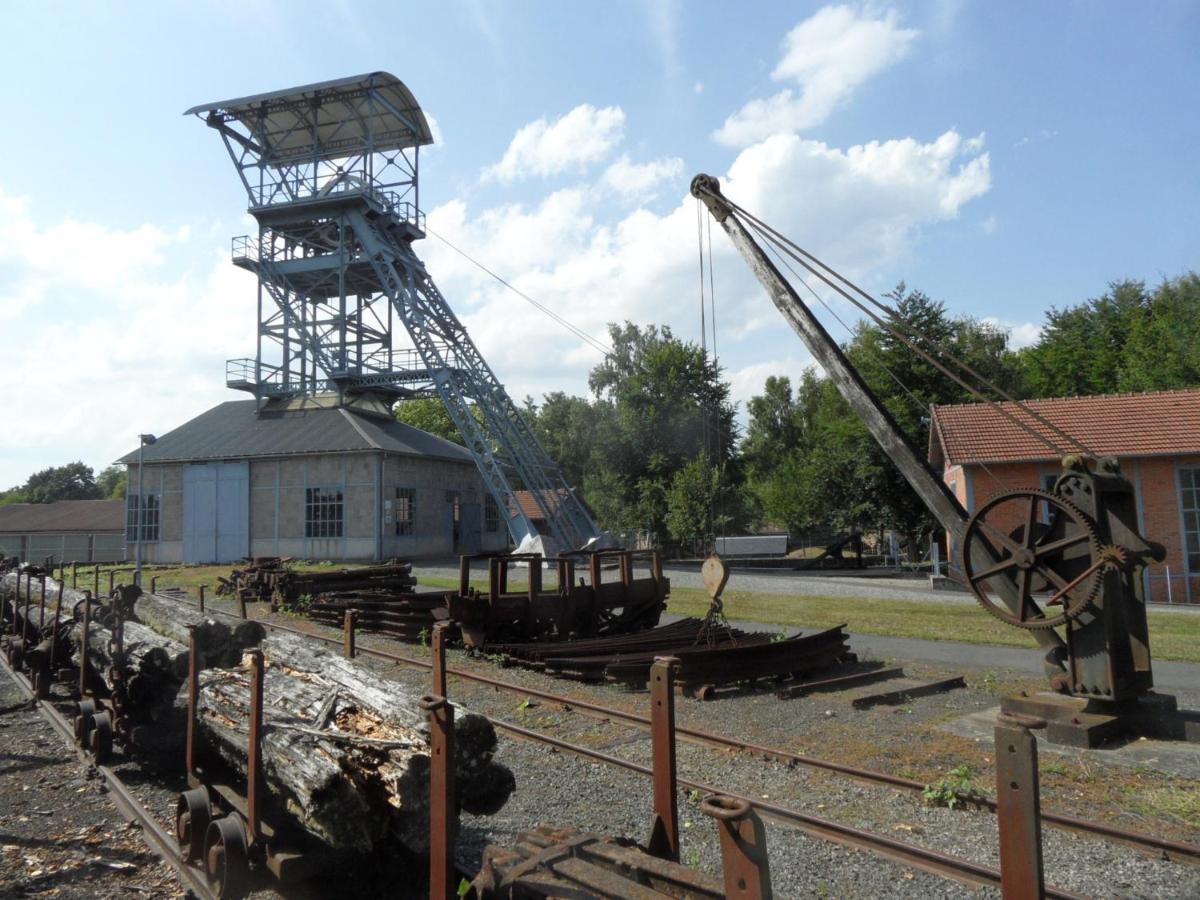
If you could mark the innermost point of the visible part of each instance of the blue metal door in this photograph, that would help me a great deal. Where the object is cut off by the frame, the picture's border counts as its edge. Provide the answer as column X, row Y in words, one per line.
column 216, row 512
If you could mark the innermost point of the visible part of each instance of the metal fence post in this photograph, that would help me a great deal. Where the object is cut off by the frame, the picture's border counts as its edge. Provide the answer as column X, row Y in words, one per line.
column 348, row 626
column 439, row 659
column 254, row 775
column 83, row 644
column 202, row 587
column 1018, row 806
column 664, row 834
column 443, row 818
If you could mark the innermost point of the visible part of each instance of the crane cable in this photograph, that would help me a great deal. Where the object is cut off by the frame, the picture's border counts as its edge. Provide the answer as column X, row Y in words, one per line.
column 917, row 404
column 802, row 257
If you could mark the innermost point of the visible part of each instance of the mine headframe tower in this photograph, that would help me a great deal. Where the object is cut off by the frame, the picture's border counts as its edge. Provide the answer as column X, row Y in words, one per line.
column 331, row 173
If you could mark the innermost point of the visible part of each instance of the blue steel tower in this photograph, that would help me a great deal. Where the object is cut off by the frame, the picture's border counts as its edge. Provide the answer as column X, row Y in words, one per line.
column 330, row 171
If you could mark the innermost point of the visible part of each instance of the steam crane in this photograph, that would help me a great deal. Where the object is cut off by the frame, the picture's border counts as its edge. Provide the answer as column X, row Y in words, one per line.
column 1078, row 573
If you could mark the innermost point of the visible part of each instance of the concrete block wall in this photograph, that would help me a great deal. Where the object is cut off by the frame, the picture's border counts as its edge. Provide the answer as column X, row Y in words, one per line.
column 278, row 491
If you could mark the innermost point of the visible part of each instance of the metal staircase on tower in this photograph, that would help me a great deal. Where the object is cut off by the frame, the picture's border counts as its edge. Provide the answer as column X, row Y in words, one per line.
column 331, row 172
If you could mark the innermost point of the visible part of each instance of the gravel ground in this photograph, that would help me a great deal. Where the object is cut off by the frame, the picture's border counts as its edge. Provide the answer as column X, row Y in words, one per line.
column 556, row 788
column 60, row 836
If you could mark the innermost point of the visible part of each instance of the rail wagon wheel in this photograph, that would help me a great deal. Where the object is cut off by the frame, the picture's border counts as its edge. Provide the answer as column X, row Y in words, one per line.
column 84, row 721
column 192, row 815
column 100, row 739
column 226, row 861
column 1033, row 556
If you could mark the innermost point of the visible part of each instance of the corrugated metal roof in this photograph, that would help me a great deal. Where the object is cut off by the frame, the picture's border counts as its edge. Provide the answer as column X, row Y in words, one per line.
column 1163, row 423
column 63, row 517
column 233, row 431
column 376, row 107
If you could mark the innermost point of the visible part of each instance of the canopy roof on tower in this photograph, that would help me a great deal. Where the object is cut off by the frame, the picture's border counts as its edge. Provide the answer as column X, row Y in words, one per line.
column 370, row 113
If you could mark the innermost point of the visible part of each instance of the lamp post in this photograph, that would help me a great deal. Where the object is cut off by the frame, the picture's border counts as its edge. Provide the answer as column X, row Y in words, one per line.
column 143, row 440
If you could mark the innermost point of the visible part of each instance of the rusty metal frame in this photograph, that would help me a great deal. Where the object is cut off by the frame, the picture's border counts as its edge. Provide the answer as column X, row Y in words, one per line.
column 443, row 809
column 744, row 860
column 664, row 833
column 1018, row 805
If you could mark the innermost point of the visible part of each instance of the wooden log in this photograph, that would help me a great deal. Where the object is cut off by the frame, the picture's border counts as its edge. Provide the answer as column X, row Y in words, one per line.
column 345, row 760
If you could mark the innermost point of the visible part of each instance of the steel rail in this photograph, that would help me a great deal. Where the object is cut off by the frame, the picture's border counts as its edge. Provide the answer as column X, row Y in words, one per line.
column 899, row 851
column 1175, row 851
column 157, row 838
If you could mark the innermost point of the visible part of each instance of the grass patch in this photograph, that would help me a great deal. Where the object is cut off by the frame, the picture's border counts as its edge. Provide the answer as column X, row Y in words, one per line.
column 1173, row 635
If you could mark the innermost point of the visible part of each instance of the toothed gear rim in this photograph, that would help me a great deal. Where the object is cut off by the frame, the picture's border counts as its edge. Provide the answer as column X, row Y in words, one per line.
column 1079, row 598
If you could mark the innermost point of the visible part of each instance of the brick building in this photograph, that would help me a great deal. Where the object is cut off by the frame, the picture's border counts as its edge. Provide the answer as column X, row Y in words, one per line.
column 310, row 479
column 1154, row 436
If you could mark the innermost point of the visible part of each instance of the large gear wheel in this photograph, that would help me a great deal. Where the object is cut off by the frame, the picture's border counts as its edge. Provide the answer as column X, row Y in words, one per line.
column 1065, row 557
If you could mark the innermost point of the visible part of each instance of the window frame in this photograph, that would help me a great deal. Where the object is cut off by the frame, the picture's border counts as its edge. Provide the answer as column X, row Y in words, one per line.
column 491, row 514
column 1189, row 535
column 150, row 516
column 404, row 512
column 324, row 512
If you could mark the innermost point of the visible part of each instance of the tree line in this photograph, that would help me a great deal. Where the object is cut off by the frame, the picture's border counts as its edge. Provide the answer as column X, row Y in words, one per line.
column 655, row 446
column 74, row 481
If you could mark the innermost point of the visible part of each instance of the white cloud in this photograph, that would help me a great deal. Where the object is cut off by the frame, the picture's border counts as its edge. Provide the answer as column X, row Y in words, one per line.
column 435, row 130
column 827, row 56
column 698, row 87
column 862, row 208
column 123, row 330
column 580, row 138
column 641, row 180
column 1020, row 334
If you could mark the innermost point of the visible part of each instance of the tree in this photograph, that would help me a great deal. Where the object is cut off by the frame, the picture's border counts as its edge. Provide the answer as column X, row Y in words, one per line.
column 74, row 481
column 111, row 482
column 699, row 501
column 811, row 460
column 430, row 414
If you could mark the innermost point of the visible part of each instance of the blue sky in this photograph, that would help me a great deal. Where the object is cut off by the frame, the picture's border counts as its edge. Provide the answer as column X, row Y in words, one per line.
column 1003, row 158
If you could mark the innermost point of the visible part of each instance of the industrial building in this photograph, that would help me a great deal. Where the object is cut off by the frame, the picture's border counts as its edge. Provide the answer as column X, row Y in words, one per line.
column 310, row 480
column 68, row 530
column 1155, row 437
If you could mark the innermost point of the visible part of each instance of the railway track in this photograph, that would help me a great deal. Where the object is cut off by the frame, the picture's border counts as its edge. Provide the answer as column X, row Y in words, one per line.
column 163, row 843
column 905, row 853
column 929, row 860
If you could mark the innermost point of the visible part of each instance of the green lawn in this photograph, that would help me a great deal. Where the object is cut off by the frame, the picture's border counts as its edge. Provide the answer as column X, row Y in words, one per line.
column 1173, row 635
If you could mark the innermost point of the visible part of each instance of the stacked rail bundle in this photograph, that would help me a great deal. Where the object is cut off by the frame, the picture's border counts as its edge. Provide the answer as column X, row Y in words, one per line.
column 734, row 656
column 409, row 617
column 702, row 668
column 256, row 582
column 296, row 588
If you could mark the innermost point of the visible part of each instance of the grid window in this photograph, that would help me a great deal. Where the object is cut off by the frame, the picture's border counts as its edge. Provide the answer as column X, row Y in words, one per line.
column 149, row 518
column 1189, row 502
column 491, row 515
column 323, row 512
column 405, row 510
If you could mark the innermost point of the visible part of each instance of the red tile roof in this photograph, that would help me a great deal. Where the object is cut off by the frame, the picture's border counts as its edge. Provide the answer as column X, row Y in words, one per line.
column 1164, row 423
column 530, row 507
column 63, row 516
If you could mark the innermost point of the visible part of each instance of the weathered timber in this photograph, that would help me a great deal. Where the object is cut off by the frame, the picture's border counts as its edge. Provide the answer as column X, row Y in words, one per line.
column 346, row 760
